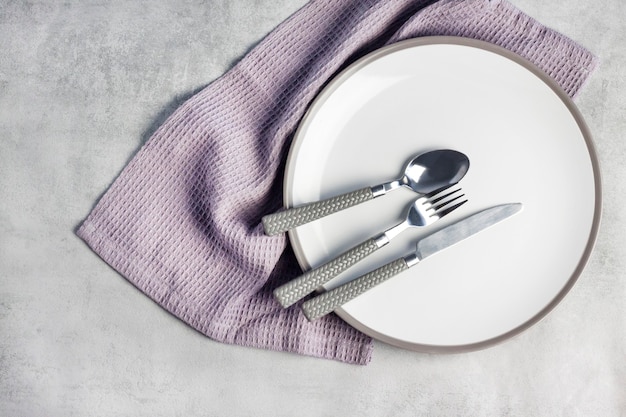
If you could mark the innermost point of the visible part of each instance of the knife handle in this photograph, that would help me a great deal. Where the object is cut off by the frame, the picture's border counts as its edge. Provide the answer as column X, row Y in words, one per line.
column 287, row 219
column 329, row 301
column 287, row 294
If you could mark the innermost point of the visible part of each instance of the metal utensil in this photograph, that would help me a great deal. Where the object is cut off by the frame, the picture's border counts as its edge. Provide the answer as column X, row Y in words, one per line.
column 423, row 174
column 422, row 212
column 442, row 239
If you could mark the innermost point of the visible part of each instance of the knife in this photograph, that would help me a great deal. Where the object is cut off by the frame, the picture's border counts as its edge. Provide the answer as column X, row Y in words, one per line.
column 442, row 239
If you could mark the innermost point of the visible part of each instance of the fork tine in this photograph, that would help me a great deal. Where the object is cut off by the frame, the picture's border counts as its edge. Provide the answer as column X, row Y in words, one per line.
column 442, row 203
column 437, row 197
column 450, row 209
column 438, row 191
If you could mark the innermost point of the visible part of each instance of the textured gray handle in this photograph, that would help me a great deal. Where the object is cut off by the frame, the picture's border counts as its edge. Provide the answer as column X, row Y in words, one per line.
column 305, row 284
column 329, row 301
column 284, row 220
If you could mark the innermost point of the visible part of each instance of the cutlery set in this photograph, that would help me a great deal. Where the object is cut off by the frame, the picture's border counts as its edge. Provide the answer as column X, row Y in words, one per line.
column 434, row 176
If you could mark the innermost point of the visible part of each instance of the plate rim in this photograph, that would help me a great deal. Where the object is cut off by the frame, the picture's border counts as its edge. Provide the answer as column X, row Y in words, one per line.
column 339, row 78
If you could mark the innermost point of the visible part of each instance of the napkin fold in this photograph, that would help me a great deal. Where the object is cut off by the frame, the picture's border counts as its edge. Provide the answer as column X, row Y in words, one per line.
column 182, row 221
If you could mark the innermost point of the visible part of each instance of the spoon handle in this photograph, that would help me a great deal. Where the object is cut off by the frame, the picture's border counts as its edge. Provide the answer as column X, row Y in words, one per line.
column 329, row 301
column 293, row 291
column 284, row 220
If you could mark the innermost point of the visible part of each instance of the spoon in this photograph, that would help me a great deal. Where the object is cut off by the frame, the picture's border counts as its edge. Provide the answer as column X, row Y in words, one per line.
column 425, row 173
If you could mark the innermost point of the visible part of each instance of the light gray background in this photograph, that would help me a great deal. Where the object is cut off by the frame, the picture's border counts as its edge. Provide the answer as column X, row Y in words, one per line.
column 84, row 83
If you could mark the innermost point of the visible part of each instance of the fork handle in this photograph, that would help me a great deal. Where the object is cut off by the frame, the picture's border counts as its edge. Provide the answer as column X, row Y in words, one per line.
column 284, row 220
column 305, row 284
column 329, row 301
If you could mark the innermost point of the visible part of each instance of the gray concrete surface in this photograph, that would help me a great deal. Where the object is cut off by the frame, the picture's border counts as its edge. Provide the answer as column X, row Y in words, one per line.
column 84, row 83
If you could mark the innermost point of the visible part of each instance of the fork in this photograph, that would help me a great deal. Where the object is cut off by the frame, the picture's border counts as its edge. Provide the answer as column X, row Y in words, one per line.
column 422, row 212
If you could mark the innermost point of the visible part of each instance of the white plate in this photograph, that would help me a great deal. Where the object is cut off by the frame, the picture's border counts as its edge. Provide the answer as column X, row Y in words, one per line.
column 526, row 143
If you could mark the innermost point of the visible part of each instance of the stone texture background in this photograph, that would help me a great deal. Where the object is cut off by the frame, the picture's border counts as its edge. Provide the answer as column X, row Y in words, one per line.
column 84, row 83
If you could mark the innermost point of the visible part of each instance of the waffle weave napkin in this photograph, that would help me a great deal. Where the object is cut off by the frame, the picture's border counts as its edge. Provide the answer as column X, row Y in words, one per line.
column 182, row 221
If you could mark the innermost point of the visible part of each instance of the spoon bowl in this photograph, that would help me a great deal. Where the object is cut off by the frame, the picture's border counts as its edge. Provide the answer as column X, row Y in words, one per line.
column 433, row 170
column 429, row 171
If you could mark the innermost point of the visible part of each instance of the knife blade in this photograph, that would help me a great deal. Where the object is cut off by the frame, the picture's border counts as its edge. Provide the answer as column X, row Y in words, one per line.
column 428, row 246
column 464, row 228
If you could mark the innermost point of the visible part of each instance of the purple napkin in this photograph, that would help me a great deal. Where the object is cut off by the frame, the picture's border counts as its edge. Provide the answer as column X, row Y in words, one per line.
column 183, row 220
